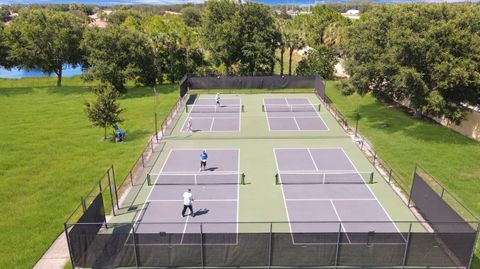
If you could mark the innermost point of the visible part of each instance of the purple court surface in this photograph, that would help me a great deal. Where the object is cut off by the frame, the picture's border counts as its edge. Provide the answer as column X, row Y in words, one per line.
column 206, row 116
column 293, row 114
column 328, row 203
column 217, row 202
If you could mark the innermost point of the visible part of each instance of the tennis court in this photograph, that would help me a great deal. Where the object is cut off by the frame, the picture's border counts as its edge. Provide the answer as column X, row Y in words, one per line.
column 215, row 191
column 323, row 185
column 207, row 116
column 293, row 114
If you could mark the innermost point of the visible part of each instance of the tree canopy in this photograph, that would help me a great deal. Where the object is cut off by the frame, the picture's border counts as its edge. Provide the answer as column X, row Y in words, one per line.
column 426, row 55
column 47, row 40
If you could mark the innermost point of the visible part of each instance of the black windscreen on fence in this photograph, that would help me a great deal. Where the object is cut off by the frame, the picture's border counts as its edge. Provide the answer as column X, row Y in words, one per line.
column 252, row 82
column 81, row 237
column 320, row 87
column 184, row 85
column 452, row 233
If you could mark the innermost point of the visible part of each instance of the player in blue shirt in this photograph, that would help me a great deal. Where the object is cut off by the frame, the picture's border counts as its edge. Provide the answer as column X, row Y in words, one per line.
column 203, row 160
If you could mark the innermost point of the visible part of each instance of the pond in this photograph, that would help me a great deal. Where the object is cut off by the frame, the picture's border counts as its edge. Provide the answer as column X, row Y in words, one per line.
column 16, row 73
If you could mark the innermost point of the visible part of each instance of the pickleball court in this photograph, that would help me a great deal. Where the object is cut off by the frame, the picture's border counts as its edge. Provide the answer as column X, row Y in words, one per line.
column 215, row 191
column 323, row 185
column 207, row 116
column 293, row 114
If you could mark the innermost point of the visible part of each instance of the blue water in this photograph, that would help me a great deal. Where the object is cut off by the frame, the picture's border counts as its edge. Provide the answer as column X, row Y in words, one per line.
column 20, row 73
column 171, row 2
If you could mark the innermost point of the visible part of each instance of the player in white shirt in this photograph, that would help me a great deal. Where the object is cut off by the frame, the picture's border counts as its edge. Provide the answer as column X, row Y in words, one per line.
column 187, row 202
column 217, row 99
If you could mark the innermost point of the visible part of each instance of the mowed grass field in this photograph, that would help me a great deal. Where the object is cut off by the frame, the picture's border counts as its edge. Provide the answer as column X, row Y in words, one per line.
column 452, row 158
column 51, row 156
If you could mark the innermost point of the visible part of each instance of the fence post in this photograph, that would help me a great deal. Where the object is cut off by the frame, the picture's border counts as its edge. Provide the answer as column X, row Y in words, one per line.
column 68, row 243
column 134, row 244
column 474, row 246
column 131, row 176
column 338, row 243
column 357, row 117
column 201, row 245
column 143, row 161
column 156, row 127
column 111, row 191
column 390, row 175
column 270, row 248
column 443, row 191
column 84, row 206
column 407, row 244
column 114, row 181
column 410, row 194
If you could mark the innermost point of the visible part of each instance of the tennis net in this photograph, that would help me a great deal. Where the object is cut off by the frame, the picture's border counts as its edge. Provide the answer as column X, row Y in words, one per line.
column 214, row 108
column 196, row 179
column 290, row 108
column 324, row 178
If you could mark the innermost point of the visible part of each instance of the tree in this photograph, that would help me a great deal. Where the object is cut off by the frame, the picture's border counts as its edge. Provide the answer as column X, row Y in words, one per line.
column 320, row 61
column 4, row 49
column 258, row 39
column 294, row 42
column 47, row 40
column 116, row 54
column 425, row 55
column 192, row 16
column 221, row 31
column 282, row 42
column 104, row 111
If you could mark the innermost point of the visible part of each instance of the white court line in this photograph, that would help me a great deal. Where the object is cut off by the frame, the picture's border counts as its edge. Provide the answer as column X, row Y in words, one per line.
column 340, row 220
column 185, row 227
column 196, row 173
column 329, row 199
column 211, row 124
column 284, row 199
column 373, row 194
column 296, row 123
column 293, row 117
column 313, row 161
column 197, row 200
column 151, row 190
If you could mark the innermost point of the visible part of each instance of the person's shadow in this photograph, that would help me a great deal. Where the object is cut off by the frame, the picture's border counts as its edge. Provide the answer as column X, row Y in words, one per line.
column 201, row 212
column 211, row 169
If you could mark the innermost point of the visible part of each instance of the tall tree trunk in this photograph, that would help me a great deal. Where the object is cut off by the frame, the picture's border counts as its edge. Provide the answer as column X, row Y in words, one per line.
column 282, row 51
column 172, row 77
column 105, row 132
column 290, row 62
column 59, row 77
column 417, row 113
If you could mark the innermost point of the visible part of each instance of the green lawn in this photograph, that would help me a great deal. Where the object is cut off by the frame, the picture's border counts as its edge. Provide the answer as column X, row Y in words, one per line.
column 51, row 156
column 450, row 157
column 295, row 59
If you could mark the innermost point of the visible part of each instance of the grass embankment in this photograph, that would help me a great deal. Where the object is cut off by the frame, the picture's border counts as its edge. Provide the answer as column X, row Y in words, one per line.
column 450, row 157
column 51, row 156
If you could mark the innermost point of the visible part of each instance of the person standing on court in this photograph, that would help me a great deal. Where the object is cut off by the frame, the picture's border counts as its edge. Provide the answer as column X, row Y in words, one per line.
column 217, row 99
column 189, row 123
column 203, row 160
column 187, row 202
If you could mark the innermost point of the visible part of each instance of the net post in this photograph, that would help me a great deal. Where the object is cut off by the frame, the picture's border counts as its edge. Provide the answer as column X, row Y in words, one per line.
column 242, row 179
column 201, row 246
column 68, row 244
column 277, row 179
column 149, row 182
column 337, row 250
column 186, row 109
column 371, row 178
column 404, row 261
column 243, row 108
column 319, row 107
column 270, row 248
column 263, row 108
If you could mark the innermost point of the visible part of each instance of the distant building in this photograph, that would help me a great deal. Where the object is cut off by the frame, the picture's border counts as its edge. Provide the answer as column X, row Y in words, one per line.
column 352, row 14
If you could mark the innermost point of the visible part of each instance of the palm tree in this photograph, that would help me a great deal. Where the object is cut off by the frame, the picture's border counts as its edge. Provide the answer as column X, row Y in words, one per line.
column 294, row 42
